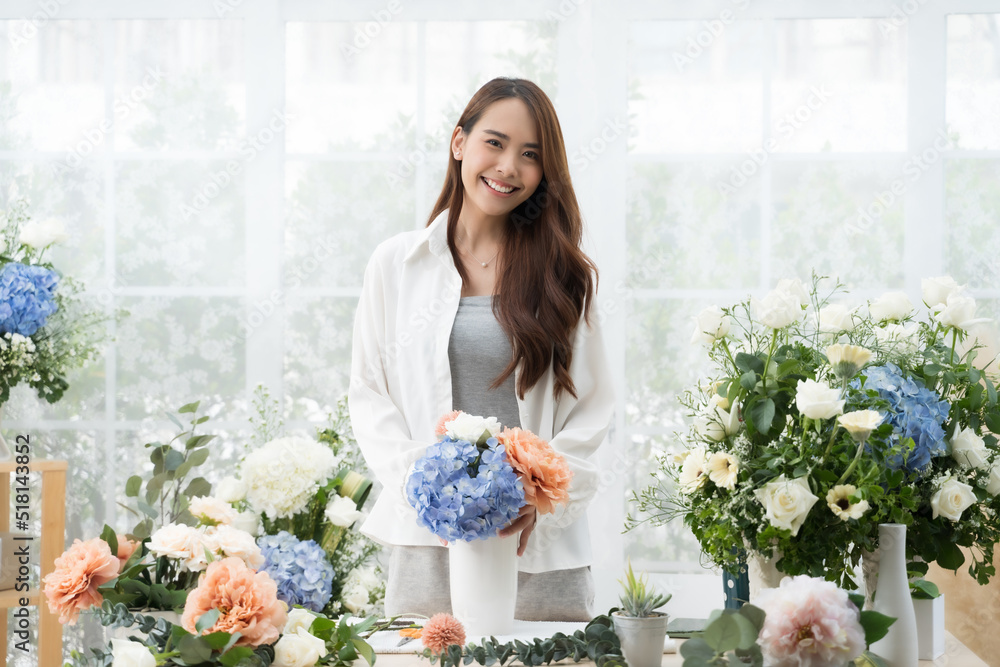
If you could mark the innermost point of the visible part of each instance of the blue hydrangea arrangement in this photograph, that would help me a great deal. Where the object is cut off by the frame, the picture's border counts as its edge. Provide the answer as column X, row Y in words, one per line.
column 464, row 492
column 300, row 569
column 914, row 411
column 27, row 297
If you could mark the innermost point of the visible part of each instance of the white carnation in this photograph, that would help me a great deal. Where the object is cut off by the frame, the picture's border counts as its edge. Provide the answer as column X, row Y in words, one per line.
column 472, row 427
column 283, row 475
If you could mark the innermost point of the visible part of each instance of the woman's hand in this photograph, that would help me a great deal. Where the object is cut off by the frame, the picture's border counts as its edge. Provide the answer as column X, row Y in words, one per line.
column 524, row 524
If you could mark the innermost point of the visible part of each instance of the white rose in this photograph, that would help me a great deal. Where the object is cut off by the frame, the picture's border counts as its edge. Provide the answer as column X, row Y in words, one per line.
column 817, row 400
column 937, row 290
column 795, row 289
column 711, row 325
column 300, row 649
column 247, row 521
column 175, row 540
column 968, row 448
column 984, row 337
column 951, row 499
column 777, row 309
column 355, row 598
column 131, row 654
column 835, row 318
column 342, row 511
column 211, row 511
column 229, row 541
column 298, row 618
column 959, row 311
column 993, row 485
column 890, row 306
column 231, row 490
column 786, row 502
column 43, row 233
column 902, row 339
column 471, row 427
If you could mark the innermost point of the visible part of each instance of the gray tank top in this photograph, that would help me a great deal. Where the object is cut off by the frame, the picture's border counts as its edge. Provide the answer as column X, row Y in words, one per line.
column 478, row 351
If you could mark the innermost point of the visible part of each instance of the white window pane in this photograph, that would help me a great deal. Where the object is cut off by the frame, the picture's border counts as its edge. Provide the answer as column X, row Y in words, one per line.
column 828, row 218
column 317, row 353
column 179, row 85
column 839, row 85
column 51, row 86
column 337, row 213
column 683, row 231
column 356, row 99
column 171, row 351
column 973, row 89
column 179, row 223
column 972, row 214
column 692, row 92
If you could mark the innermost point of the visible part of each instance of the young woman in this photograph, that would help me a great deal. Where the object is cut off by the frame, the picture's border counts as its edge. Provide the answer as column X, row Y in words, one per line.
column 486, row 310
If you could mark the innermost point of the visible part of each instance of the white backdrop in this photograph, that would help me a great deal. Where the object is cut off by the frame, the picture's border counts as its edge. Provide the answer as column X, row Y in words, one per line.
column 225, row 168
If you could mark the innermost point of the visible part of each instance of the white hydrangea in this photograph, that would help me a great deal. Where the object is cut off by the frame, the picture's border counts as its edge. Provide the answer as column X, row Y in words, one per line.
column 283, row 475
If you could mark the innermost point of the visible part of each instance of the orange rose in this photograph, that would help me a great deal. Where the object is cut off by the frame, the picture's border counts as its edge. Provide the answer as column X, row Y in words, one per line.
column 247, row 599
column 72, row 586
column 543, row 471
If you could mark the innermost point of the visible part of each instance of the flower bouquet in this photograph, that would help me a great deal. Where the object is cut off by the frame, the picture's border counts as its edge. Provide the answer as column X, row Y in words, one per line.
column 467, row 486
column 822, row 420
column 46, row 328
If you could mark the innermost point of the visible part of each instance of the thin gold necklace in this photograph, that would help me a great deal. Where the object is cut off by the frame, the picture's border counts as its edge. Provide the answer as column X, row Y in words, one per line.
column 487, row 262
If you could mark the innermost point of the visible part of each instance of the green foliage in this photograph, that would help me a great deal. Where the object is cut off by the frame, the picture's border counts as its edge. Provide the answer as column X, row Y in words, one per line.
column 730, row 638
column 756, row 372
column 597, row 642
column 638, row 599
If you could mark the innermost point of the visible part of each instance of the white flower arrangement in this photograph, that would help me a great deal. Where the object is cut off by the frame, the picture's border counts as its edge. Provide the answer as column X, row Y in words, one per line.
column 283, row 475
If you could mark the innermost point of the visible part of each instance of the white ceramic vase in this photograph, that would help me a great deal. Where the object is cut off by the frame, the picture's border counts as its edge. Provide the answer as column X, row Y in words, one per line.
column 892, row 598
column 484, row 585
column 763, row 573
column 642, row 638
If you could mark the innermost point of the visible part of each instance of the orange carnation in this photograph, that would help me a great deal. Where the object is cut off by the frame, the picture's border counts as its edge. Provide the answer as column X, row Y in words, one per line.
column 247, row 599
column 441, row 631
column 440, row 430
column 72, row 586
column 543, row 471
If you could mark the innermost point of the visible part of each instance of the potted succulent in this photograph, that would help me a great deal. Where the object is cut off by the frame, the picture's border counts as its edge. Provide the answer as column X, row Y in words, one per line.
column 640, row 629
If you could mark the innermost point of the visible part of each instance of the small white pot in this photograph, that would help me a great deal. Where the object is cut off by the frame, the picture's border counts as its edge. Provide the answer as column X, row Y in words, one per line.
column 641, row 638
column 930, row 627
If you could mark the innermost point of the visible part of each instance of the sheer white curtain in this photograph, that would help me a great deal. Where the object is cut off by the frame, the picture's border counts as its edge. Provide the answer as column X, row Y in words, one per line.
column 225, row 169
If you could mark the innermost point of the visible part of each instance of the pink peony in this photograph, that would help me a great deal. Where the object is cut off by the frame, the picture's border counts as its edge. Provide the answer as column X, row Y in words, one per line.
column 72, row 586
column 247, row 601
column 809, row 623
column 441, row 631
column 543, row 471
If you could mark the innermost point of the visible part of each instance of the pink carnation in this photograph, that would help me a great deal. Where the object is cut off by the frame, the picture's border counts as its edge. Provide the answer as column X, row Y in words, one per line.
column 442, row 631
column 72, row 586
column 809, row 623
column 440, row 429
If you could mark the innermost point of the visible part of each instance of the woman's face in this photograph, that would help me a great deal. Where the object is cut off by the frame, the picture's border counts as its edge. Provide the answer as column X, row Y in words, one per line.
column 501, row 158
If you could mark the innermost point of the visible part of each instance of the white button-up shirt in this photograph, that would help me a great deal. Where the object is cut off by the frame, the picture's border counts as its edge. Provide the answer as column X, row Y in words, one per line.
column 401, row 386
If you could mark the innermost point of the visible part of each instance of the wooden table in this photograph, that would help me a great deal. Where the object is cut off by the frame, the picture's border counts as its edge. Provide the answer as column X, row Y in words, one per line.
column 956, row 655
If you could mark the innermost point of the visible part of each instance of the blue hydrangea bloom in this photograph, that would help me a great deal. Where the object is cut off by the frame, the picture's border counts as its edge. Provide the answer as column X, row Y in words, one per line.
column 914, row 412
column 26, row 297
column 300, row 569
column 458, row 500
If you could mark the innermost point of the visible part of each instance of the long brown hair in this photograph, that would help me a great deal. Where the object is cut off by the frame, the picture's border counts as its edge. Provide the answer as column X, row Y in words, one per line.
column 545, row 281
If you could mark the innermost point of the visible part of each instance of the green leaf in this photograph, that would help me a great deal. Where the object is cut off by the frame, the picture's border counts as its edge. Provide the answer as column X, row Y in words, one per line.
column 198, row 457
column 193, row 650
column 132, row 486
column 857, row 599
column 190, row 407
column 199, row 486
column 198, row 441
column 364, row 650
column 748, row 380
column 951, row 557
column 207, row 620
column 749, row 362
column 147, row 509
column 109, row 536
column 217, row 640
column 173, row 460
column 724, row 633
column 235, row 655
column 921, row 589
column 696, row 652
column 993, row 420
column 762, row 413
column 876, row 625
column 753, row 614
